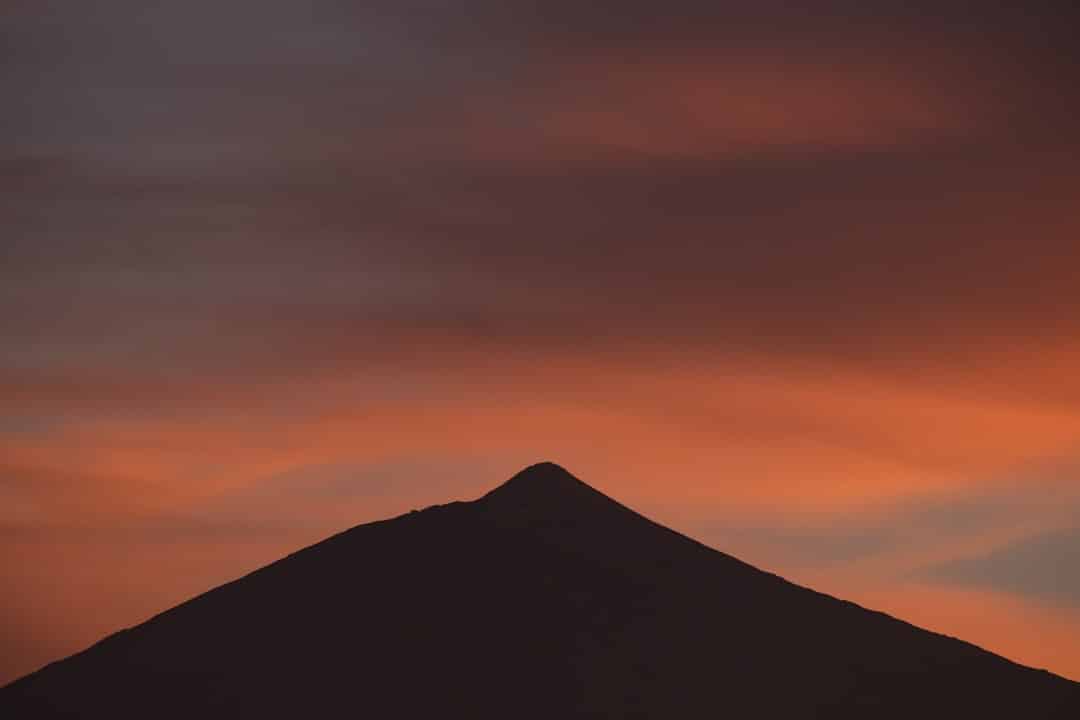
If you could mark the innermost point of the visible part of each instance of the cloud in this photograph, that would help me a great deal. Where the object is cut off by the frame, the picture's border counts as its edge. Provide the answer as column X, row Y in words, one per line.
column 984, row 534
column 185, row 194
column 1042, row 567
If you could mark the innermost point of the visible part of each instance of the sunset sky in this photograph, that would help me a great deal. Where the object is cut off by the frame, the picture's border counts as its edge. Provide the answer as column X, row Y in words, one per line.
column 801, row 283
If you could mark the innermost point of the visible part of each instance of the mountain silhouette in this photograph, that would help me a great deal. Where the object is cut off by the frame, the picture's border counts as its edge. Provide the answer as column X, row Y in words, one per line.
column 542, row 599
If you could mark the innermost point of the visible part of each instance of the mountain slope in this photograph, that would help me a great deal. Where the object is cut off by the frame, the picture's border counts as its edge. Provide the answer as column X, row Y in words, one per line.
column 544, row 599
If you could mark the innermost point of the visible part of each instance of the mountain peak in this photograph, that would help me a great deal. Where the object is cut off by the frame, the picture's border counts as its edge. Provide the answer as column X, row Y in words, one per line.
column 546, row 486
column 545, row 476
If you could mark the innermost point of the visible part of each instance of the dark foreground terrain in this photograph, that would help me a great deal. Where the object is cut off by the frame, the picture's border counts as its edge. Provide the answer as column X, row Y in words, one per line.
column 543, row 599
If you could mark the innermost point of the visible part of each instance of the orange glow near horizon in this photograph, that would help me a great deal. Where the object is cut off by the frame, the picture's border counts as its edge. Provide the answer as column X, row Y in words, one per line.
column 706, row 453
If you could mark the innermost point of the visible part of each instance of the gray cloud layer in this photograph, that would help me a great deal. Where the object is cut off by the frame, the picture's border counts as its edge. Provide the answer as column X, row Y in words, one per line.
column 1044, row 567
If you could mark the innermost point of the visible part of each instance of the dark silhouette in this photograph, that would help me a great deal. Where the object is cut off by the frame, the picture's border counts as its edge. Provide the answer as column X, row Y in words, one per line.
column 543, row 599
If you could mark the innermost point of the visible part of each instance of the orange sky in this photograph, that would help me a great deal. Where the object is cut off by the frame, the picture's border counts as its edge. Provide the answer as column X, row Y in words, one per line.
column 804, row 288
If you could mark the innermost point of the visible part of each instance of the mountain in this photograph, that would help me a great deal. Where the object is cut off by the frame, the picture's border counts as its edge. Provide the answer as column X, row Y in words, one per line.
column 542, row 599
